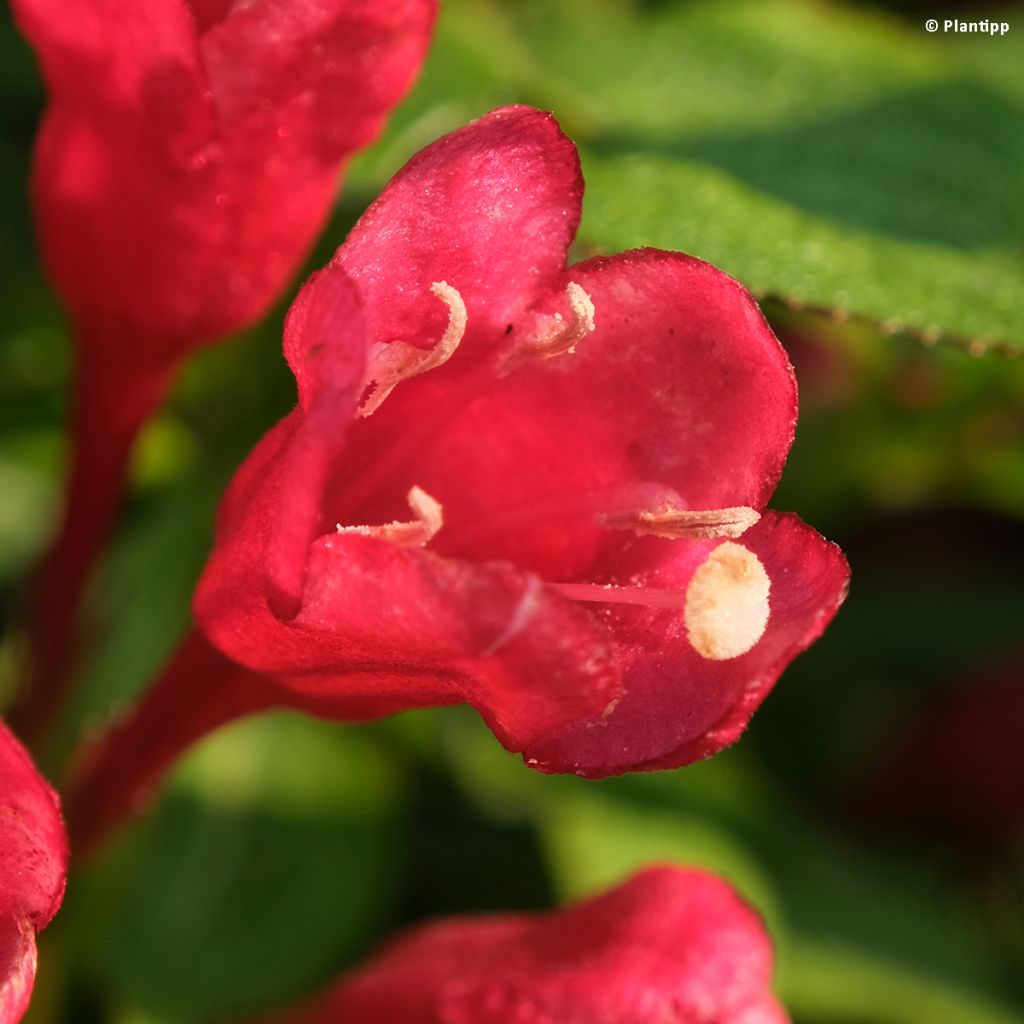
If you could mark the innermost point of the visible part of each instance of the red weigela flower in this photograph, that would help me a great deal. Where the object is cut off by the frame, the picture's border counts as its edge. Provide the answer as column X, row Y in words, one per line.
column 668, row 945
column 586, row 454
column 188, row 158
column 33, row 867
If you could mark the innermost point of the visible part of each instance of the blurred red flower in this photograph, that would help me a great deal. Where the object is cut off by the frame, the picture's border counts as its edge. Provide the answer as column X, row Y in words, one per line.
column 33, row 867
column 586, row 453
column 188, row 158
column 668, row 945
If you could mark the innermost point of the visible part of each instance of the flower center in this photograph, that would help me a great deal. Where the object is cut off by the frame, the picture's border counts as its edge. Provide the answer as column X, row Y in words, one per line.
column 391, row 363
column 725, row 605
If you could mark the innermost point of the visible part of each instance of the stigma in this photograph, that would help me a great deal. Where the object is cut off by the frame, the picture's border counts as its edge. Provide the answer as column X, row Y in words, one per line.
column 727, row 608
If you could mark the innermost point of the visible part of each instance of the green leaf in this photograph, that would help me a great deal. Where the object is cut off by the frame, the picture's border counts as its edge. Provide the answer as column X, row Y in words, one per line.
column 268, row 867
column 830, row 156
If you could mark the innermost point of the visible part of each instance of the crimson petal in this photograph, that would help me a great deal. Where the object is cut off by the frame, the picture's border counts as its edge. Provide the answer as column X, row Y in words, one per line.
column 33, row 868
column 224, row 148
column 669, row 944
column 383, row 628
column 490, row 209
column 678, row 705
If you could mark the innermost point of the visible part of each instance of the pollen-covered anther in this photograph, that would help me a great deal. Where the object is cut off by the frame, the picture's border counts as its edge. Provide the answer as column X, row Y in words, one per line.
column 558, row 337
column 727, row 609
column 392, row 362
column 415, row 533
column 672, row 522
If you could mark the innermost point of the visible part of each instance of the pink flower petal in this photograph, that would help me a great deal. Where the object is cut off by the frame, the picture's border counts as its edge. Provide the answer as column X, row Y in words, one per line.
column 108, row 64
column 490, row 209
column 491, row 635
column 444, row 526
column 673, row 398
column 679, row 706
column 33, row 868
column 18, row 961
column 668, row 945
column 320, row 73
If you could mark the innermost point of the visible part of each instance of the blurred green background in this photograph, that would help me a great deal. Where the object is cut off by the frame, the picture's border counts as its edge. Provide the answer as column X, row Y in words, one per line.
column 866, row 180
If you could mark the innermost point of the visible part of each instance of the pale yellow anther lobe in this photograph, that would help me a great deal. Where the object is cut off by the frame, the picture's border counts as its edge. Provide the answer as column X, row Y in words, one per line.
column 672, row 522
column 429, row 518
column 396, row 361
column 558, row 338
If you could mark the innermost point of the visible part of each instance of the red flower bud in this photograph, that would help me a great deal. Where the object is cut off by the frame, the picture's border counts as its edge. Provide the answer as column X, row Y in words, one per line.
column 191, row 151
column 188, row 158
column 534, row 489
column 668, row 945
column 33, row 867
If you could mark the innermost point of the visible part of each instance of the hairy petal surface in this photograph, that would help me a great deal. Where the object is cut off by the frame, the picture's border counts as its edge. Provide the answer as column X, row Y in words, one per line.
column 667, row 947
column 33, row 867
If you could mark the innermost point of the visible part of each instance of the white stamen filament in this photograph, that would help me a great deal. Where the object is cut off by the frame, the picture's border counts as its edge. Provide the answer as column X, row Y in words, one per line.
column 396, row 361
column 651, row 597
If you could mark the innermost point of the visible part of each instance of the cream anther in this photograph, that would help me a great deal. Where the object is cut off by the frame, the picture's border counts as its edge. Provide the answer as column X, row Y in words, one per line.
column 420, row 531
column 396, row 361
column 672, row 522
column 726, row 608
column 558, row 338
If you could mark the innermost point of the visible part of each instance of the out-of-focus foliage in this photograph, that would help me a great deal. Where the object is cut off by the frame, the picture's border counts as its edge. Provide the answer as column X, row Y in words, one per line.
column 807, row 149
column 829, row 154
column 269, row 860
